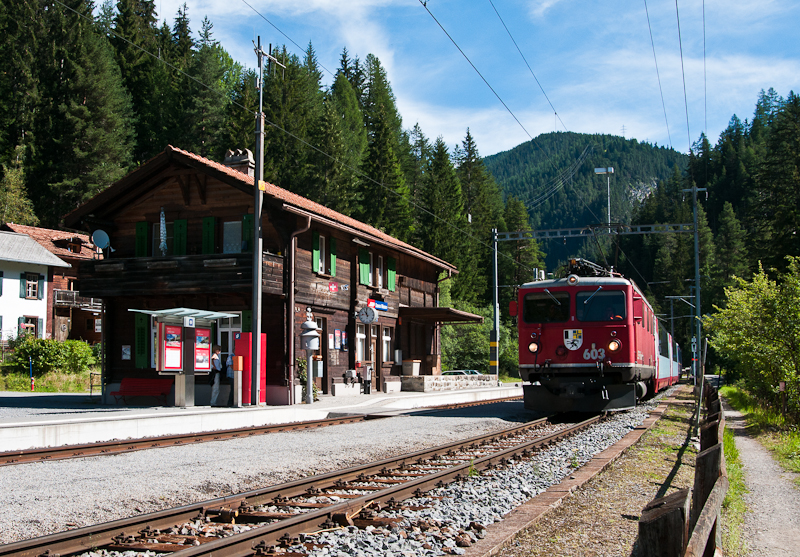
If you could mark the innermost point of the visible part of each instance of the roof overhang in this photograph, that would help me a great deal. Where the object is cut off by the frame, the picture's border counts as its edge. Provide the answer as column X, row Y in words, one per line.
column 180, row 313
column 448, row 316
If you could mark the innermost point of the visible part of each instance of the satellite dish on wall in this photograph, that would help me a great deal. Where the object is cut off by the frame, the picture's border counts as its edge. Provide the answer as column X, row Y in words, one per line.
column 100, row 239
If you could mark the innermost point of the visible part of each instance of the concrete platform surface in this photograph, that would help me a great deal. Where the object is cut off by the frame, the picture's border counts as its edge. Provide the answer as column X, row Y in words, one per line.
column 37, row 420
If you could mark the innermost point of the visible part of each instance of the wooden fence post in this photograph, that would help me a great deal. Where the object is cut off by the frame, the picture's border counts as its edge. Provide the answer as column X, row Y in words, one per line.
column 709, row 433
column 706, row 472
column 664, row 525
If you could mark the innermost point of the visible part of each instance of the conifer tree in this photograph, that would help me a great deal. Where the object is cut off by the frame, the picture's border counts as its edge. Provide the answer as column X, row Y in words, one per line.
column 83, row 127
column 14, row 203
column 778, row 186
column 441, row 216
column 21, row 29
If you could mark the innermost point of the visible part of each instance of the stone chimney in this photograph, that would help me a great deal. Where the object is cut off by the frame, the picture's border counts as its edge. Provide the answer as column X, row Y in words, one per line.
column 241, row 160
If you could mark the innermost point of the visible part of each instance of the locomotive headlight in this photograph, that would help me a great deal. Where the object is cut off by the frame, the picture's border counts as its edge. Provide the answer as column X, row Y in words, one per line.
column 533, row 347
column 614, row 345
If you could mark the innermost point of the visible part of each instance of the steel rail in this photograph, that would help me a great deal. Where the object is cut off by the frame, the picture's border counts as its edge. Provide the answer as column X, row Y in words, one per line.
column 87, row 538
column 130, row 445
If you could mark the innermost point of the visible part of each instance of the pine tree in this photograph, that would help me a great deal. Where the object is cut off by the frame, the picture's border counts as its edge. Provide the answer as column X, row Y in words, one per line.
column 21, row 29
column 441, row 217
column 83, row 127
column 732, row 252
column 778, row 186
column 14, row 203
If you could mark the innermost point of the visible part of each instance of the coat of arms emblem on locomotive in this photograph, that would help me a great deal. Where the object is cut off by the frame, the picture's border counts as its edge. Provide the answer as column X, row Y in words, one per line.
column 573, row 338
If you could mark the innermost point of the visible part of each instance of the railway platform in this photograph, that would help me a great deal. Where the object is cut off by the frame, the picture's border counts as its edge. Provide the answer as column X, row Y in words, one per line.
column 38, row 420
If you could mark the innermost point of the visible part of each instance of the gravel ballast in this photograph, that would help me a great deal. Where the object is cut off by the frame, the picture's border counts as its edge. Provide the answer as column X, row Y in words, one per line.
column 43, row 498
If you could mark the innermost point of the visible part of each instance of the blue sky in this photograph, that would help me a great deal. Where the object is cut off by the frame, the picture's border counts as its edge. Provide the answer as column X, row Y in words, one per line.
column 593, row 59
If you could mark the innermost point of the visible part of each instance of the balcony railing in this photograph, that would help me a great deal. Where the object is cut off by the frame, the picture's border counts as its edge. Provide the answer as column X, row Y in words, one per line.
column 70, row 298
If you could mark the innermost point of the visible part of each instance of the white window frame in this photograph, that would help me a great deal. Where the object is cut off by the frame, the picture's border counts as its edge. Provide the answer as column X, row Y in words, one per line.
column 361, row 343
column 31, row 286
column 386, row 341
column 323, row 267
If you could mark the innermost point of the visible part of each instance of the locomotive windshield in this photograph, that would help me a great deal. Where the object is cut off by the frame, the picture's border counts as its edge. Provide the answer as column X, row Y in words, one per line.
column 544, row 307
column 600, row 305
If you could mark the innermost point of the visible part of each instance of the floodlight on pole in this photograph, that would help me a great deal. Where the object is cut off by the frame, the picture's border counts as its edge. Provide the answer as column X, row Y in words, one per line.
column 607, row 171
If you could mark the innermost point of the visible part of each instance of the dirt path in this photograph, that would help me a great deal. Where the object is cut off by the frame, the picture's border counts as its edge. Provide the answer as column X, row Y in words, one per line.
column 772, row 524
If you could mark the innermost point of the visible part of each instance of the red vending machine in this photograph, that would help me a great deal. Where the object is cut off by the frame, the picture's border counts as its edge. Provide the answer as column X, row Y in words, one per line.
column 243, row 346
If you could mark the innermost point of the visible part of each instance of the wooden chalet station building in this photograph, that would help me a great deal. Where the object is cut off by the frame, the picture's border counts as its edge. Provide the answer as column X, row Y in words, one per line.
column 179, row 233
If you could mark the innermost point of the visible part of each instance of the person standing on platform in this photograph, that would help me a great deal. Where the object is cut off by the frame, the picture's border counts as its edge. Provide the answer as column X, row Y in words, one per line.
column 216, row 373
column 229, row 375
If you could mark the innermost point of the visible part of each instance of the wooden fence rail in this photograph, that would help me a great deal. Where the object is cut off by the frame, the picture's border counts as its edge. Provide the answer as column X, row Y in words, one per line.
column 686, row 523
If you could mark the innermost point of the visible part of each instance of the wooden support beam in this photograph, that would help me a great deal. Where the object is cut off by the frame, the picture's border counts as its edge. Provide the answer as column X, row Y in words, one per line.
column 201, row 187
column 664, row 525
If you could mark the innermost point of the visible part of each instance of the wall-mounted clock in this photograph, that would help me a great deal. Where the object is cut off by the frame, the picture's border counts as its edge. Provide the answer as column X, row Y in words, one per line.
column 367, row 315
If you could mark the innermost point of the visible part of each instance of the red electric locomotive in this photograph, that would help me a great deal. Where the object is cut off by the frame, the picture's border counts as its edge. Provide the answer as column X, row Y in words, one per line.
column 589, row 342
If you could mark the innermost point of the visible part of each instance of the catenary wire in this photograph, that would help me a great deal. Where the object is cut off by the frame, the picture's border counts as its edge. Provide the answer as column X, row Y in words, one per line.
column 285, row 35
column 549, row 159
column 301, row 140
column 526, row 63
column 653, row 44
column 683, row 75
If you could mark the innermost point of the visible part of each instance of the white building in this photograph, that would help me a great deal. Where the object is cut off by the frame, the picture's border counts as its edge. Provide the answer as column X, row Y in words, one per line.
column 23, row 284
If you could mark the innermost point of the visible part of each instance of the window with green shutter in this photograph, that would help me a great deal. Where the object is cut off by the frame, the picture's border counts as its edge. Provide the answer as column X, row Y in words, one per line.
column 209, row 234
column 333, row 257
column 179, row 228
column 142, row 340
column 364, row 270
column 247, row 232
column 141, row 239
column 315, row 266
column 391, row 274
column 40, row 328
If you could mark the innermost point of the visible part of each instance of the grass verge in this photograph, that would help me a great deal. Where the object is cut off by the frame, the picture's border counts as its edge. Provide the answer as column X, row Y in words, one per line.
column 733, row 507
column 770, row 428
column 52, row 382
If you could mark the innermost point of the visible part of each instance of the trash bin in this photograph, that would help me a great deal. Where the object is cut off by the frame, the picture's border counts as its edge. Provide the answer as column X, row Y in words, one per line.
column 411, row 367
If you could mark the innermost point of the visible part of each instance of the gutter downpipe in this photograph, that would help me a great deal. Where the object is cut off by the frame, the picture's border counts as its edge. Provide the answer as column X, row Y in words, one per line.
column 290, row 304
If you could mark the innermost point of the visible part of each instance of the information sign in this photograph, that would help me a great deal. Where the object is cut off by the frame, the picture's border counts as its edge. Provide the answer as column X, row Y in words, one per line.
column 202, row 350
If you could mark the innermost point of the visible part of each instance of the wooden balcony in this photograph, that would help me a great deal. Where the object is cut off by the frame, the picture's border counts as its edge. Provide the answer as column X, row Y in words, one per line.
column 72, row 299
column 189, row 274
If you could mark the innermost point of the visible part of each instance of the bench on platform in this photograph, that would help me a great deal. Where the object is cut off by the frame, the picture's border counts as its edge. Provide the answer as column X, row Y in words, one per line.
column 137, row 386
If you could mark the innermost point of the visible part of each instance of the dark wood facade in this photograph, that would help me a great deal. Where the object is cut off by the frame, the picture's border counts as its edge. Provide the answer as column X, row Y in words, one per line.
column 313, row 258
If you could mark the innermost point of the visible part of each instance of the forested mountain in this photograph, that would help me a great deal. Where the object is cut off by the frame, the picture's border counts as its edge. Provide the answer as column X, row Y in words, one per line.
column 554, row 177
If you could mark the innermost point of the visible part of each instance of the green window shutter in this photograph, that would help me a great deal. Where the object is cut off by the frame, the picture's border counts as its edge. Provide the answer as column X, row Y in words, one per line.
column 315, row 252
column 40, row 288
column 332, row 249
column 141, row 239
column 363, row 266
column 247, row 321
column 247, row 232
column 179, row 228
column 209, row 228
column 23, row 284
column 20, row 323
column 40, row 327
column 391, row 273
column 141, row 339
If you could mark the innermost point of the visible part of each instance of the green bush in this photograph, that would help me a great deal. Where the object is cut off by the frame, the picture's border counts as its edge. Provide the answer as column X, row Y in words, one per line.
column 71, row 356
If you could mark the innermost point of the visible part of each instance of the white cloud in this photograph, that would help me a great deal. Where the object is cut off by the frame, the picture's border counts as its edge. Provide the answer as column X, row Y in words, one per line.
column 539, row 7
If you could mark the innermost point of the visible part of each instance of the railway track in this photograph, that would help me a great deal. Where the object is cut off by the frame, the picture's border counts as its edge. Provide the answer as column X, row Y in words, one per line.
column 129, row 445
column 274, row 520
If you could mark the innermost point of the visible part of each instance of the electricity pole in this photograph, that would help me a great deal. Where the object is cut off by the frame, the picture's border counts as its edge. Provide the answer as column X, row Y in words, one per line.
column 258, row 195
